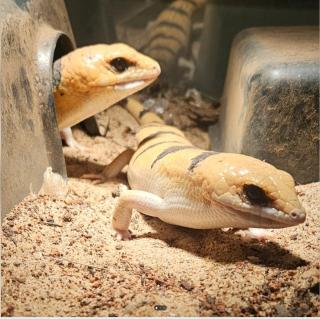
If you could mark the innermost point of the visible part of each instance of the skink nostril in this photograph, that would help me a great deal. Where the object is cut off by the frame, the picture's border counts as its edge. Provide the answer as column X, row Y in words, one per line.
column 298, row 214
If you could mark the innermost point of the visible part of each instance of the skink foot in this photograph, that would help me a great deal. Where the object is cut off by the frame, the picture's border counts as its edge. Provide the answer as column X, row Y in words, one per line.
column 96, row 178
column 122, row 234
column 256, row 233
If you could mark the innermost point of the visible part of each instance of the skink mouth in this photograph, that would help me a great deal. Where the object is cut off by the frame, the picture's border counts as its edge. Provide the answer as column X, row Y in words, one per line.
column 125, row 85
column 146, row 77
column 269, row 216
column 289, row 219
column 132, row 84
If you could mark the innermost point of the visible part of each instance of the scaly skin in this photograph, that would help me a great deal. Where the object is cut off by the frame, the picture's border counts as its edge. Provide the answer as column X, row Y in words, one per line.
column 183, row 185
column 86, row 81
column 169, row 35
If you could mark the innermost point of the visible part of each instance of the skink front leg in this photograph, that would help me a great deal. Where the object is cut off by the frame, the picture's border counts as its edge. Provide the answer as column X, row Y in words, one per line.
column 144, row 202
column 67, row 136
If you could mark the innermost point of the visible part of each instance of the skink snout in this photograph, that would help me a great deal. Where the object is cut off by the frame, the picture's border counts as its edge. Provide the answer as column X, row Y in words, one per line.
column 298, row 215
column 156, row 69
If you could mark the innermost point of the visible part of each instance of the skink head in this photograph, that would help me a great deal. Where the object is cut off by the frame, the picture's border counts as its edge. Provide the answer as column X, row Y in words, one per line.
column 95, row 77
column 256, row 191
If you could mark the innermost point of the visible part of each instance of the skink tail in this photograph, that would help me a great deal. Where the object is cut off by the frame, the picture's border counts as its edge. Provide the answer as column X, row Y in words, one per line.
column 136, row 109
column 152, row 126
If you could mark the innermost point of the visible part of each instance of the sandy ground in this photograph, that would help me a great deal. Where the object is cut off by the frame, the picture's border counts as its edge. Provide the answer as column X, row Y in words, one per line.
column 59, row 257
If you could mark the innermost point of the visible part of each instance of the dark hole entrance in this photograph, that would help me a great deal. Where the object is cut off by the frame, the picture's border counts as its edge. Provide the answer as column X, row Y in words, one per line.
column 63, row 46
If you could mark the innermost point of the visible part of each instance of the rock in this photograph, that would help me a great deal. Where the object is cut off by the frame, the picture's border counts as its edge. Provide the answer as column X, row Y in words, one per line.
column 187, row 285
column 55, row 253
column 97, row 284
column 304, row 307
column 67, row 217
column 315, row 289
column 85, row 302
column 282, row 311
column 21, row 278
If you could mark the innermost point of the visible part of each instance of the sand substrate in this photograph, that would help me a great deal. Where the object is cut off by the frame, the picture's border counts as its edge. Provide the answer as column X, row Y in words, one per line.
column 59, row 257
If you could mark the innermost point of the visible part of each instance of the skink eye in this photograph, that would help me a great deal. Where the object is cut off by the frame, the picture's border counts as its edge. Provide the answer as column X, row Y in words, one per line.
column 120, row 64
column 256, row 195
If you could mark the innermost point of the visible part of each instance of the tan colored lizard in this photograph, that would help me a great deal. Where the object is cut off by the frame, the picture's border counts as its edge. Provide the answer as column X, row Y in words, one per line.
column 183, row 185
column 91, row 79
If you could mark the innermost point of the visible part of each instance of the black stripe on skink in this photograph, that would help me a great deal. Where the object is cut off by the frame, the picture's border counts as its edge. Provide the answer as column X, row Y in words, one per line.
column 198, row 159
column 143, row 112
column 160, row 36
column 180, row 11
column 158, row 48
column 156, row 134
column 171, row 25
column 170, row 150
column 151, row 146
